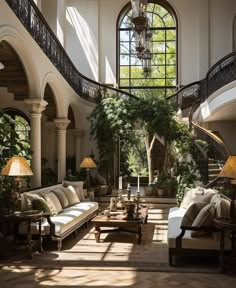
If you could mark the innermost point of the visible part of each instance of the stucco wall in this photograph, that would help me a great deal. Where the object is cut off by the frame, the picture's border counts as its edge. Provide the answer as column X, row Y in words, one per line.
column 225, row 130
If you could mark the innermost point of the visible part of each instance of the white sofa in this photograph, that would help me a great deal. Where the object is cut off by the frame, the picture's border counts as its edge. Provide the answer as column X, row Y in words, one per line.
column 67, row 221
column 180, row 237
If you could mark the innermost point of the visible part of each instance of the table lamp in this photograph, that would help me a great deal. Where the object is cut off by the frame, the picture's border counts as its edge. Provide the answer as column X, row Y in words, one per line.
column 229, row 171
column 88, row 163
column 17, row 166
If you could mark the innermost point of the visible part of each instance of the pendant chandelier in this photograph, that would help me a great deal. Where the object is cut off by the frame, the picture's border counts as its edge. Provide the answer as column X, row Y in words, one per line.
column 142, row 34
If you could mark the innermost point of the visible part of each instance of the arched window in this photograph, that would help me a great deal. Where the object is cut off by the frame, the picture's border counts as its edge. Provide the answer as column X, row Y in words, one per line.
column 21, row 123
column 163, row 78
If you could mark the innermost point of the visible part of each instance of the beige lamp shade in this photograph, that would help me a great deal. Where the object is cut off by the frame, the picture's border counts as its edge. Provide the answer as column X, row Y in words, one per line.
column 17, row 166
column 1, row 66
column 88, row 163
column 229, row 169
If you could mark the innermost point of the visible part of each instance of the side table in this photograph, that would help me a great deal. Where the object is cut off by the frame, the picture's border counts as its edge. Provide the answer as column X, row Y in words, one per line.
column 225, row 225
column 28, row 217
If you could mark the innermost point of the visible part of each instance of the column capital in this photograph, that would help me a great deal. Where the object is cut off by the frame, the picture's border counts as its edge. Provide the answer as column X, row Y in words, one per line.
column 36, row 106
column 61, row 123
column 78, row 132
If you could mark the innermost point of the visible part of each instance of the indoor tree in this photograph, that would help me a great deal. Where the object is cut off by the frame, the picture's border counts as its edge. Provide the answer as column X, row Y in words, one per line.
column 11, row 144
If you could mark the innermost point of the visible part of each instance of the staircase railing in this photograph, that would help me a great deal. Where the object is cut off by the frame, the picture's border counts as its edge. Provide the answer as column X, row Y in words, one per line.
column 216, row 150
column 31, row 17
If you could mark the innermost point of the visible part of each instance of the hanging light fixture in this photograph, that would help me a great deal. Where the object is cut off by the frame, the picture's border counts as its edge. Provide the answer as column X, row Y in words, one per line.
column 139, row 10
column 142, row 34
column 147, row 55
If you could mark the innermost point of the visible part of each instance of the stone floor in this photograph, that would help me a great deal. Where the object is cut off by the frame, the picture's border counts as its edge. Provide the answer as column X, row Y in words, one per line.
column 118, row 261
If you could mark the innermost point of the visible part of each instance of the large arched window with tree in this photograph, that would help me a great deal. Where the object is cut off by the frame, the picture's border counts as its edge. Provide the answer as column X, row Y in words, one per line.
column 163, row 77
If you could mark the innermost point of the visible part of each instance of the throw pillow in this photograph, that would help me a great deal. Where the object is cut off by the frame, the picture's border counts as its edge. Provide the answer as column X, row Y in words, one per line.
column 195, row 195
column 79, row 188
column 29, row 198
column 71, row 195
column 192, row 213
column 59, row 192
column 190, row 196
column 53, row 203
column 41, row 205
column 204, row 218
column 222, row 206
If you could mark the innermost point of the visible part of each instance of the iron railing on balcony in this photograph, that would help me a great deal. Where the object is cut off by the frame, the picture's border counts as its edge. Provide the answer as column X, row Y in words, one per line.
column 31, row 17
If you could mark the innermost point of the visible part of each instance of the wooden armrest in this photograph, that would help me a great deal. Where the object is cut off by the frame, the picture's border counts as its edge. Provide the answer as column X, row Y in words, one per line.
column 200, row 228
column 52, row 225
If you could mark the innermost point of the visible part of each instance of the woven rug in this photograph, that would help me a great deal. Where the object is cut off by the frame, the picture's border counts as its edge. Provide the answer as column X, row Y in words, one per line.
column 118, row 250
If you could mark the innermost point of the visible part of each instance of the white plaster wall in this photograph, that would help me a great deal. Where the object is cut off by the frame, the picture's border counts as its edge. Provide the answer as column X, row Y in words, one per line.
column 82, row 36
column 226, row 130
column 49, row 11
column 221, row 23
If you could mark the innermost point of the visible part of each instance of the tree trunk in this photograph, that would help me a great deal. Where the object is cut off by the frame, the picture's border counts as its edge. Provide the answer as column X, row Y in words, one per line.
column 149, row 142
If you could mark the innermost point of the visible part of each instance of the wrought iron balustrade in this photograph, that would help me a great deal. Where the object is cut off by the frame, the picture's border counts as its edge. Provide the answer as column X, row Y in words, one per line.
column 31, row 17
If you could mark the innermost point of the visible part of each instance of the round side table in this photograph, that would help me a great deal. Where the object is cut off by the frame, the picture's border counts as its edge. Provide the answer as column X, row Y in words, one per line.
column 225, row 225
column 28, row 217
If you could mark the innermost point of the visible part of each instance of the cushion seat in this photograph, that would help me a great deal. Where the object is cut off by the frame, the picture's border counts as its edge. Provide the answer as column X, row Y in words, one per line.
column 65, row 220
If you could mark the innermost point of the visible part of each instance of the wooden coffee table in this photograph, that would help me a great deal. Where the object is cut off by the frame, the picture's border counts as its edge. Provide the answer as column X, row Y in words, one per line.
column 120, row 221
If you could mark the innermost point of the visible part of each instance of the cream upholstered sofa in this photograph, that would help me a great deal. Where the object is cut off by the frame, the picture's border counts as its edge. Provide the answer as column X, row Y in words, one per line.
column 66, row 209
column 191, row 227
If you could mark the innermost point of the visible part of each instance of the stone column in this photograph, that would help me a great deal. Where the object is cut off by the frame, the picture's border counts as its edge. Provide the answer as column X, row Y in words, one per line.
column 51, row 151
column 61, row 125
column 36, row 107
column 78, row 142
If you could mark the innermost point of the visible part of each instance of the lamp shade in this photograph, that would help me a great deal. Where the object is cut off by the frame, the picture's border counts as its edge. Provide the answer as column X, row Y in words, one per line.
column 88, row 163
column 1, row 66
column 229, row 169
column 17, row 166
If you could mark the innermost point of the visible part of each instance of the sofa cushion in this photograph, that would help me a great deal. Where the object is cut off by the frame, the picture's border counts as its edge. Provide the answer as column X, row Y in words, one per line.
column 70, row 216
column 79, row 188
column 71, row 195
column 192, row 213
column 40, row 192
column 60, row 193
column 193, row 195
column 204, row 218
column 29, row 198
column 53, row 203
column 41, row 205
column 222, row 206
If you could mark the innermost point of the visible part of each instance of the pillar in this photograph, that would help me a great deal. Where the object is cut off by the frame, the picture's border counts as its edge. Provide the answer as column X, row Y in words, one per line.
column 78, row 143
column 61, row 125
column 36, row 107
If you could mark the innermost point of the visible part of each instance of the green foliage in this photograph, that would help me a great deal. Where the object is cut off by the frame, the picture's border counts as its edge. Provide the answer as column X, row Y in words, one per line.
column 203, row 144
column 186, row 176
column 110, row 123
column 11, row 144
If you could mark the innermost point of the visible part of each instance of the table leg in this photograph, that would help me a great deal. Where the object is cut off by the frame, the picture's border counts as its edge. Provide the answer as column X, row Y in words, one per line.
column 140, row 232
column 40, row 249
column 222, row 247
column 97, row 233
column 29, row 239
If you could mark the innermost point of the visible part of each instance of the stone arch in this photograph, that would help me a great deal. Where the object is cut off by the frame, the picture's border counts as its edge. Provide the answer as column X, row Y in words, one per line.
column 57, row 91
column 15, row 39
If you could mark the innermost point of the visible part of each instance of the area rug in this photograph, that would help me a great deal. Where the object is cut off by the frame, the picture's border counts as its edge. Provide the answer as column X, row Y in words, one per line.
column 118, row 250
